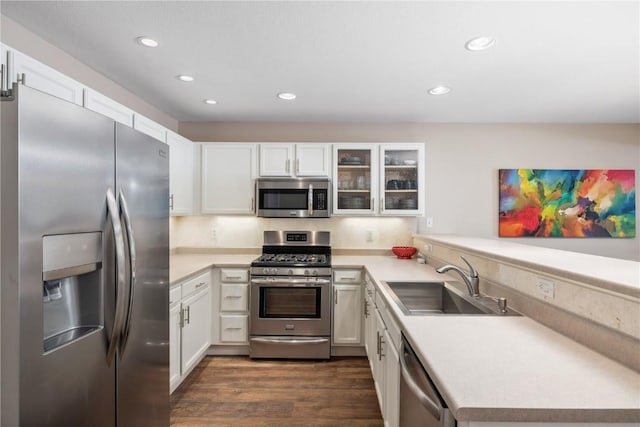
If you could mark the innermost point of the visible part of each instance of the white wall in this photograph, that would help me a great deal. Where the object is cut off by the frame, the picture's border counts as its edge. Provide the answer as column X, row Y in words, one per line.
column 462, row 192
column 463, row 161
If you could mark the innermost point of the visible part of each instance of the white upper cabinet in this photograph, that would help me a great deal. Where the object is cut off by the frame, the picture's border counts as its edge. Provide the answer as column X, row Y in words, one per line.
column 106, row 106
column 355, row 179
column 181, row 174
column 275, row 159
column 402, row 179
column 378, row 179
column 35, row 74
column 290, row 160
column 313, row 160
column 149, row 127
column 228, row 173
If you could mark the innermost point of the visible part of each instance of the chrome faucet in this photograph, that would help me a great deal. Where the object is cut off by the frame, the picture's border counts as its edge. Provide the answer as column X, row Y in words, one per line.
column 471, row 279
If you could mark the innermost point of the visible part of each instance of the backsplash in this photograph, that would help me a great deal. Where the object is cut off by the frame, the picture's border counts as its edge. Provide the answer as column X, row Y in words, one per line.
column 246, row 231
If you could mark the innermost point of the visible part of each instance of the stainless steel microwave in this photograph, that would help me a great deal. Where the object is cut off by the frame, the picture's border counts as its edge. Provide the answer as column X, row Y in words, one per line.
column 293, row 197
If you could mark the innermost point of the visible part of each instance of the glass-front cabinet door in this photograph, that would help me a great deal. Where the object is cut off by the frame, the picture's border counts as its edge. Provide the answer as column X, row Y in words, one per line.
column 402, row 179
column 355, row 179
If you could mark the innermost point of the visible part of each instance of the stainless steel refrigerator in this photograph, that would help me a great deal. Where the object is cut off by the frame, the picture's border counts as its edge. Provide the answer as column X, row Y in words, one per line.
column 85, row 262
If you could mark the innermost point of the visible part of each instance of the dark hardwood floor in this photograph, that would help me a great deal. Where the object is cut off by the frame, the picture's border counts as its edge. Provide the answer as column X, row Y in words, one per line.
column 240, row 392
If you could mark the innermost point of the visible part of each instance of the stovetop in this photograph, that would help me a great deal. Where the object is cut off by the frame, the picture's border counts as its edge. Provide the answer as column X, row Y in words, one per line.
column 294, row 253
column 289, row 259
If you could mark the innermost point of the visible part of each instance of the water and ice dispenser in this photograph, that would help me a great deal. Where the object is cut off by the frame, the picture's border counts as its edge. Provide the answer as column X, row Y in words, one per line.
column 71, row 287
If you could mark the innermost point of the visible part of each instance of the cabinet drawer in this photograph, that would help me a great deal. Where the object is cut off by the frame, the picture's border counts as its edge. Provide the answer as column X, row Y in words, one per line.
column 196, row 284
column 347, row 276
column 234, row 297
column 233, row 328
column 234, row 275
column 175, row 295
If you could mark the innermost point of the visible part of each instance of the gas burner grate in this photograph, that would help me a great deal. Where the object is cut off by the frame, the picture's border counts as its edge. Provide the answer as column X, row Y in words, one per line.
column 293, row 258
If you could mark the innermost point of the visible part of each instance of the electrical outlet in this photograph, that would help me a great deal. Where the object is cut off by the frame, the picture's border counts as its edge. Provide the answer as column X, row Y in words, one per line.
column 545, row 287
column 428, row 247
column 214, row 234
column 429, row 222
column 368, row 236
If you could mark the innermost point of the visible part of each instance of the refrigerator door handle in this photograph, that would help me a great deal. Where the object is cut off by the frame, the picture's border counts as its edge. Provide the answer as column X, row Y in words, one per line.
column 132, row 270
column 112, row 212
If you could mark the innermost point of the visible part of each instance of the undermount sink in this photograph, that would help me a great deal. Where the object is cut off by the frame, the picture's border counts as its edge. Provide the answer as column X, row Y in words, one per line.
column 440, row 298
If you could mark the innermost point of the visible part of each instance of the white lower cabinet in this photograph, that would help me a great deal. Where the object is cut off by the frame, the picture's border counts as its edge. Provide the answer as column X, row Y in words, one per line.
column 175, row 325
column 195, row 330
column 347, row 308
column 391, row 392
column 347, row 302
column 370, row 344
column 231, row 308
column 189, row 326
column 233, row 328
column 382, row 340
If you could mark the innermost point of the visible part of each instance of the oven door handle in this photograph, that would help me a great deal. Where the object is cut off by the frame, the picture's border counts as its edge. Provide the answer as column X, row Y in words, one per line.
column 283, row 283
column 291, row 341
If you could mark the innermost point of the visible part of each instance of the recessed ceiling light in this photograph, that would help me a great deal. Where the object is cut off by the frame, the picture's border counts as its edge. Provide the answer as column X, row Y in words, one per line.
column 480, row 43
column 439, row 90
column 210, row 101
column 146, row 41
column 287, row 96
column 185, row 78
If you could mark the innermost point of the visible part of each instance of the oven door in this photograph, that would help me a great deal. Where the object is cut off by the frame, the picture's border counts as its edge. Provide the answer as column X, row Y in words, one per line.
column 290, row 307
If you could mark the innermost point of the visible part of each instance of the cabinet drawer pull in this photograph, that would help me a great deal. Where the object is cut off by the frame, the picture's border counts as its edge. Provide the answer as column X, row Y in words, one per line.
column 201, row 284
column 232, row 329
column 234, row 277
column 233, row 296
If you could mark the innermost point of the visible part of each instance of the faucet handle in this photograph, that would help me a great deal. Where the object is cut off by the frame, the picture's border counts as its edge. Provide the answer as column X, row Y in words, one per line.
column 472, row 271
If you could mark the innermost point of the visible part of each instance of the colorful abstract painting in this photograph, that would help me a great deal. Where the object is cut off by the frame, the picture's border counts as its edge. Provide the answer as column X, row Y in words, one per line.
column 567, row 203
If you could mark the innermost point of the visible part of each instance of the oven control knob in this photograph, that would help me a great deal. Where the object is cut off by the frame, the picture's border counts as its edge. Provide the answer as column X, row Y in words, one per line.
column 290, row 272
column 306, row 272
column 266, row 270
column 314, row 273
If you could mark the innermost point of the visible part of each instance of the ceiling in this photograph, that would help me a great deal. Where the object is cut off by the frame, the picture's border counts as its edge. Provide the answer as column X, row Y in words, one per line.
column 553, row 61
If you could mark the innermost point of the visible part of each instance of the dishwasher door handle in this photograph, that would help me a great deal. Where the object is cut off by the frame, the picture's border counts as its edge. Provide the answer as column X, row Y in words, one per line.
column 434, row 407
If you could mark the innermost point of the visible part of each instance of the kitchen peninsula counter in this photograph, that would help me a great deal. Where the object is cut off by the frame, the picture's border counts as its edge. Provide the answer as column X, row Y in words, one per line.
column 488, row 368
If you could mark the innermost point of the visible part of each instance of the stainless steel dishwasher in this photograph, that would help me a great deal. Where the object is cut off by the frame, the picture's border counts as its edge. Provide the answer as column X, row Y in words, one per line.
column 420, row 402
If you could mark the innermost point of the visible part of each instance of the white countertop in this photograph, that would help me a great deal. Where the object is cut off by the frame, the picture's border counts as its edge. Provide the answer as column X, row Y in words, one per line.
column 489, row 368
column 183, row 265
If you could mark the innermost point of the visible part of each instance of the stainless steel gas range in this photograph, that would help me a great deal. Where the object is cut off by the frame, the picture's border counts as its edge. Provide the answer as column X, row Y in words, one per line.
column 291, row 296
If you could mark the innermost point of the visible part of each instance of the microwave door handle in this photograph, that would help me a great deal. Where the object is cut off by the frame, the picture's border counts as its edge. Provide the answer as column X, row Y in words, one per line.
column 310, row 201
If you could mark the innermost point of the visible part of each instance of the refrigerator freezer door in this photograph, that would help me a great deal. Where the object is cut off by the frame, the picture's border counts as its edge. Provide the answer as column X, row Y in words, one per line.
column 65, row 166
column 142, row 179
